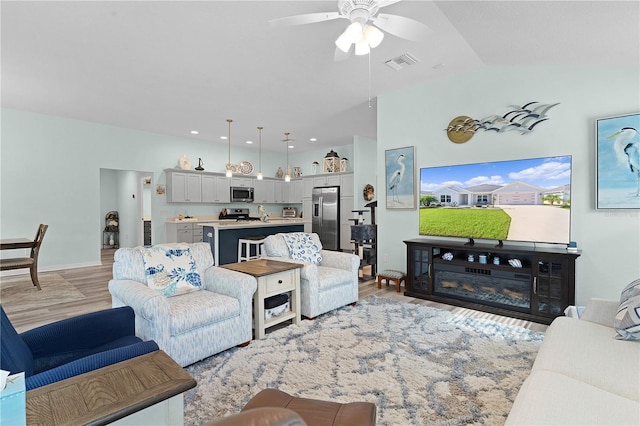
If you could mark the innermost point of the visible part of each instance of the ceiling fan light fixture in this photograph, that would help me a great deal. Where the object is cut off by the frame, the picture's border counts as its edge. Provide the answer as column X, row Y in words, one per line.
column 229, row 172
column 373, row 36
column 343, row 42
column 354, row 32
column 362, row 47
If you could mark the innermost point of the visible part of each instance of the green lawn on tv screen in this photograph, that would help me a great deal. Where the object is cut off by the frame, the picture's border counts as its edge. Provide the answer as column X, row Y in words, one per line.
column 490, row 224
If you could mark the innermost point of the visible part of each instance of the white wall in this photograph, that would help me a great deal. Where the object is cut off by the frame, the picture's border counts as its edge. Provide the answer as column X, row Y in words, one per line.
column 610, row 240
column 50, row 172
column 364, row 166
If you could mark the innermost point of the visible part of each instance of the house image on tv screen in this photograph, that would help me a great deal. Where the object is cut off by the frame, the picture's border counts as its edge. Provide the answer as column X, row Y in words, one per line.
column 516, row 193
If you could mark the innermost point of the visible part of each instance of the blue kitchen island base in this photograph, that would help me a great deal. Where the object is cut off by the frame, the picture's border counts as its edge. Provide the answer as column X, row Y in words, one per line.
column 223, row 239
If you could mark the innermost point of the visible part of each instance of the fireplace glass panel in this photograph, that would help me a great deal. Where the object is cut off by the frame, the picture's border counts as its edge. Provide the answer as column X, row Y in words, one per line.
column 486, row 286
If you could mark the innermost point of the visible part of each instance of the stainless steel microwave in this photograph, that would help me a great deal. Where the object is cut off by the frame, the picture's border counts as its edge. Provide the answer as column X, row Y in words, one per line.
column 241, row 194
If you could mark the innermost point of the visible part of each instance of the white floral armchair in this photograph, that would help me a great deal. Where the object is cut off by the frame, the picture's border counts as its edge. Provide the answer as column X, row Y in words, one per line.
column 190, row 326
column 325, row 286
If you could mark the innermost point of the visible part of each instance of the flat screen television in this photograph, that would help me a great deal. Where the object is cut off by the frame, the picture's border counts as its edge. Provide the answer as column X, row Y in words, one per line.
column 519, row 200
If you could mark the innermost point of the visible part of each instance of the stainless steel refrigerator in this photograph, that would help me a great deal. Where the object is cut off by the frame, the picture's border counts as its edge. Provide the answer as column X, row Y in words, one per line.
column 325, row 219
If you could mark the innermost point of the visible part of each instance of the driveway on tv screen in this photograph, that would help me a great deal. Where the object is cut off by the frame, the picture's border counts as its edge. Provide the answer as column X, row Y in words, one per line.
column 537, row 223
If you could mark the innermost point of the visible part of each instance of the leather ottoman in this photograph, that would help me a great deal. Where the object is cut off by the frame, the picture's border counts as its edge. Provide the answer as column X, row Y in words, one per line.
column 316, row 412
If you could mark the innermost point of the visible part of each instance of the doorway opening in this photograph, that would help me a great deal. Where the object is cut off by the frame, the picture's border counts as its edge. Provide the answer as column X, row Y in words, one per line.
column 127, row 192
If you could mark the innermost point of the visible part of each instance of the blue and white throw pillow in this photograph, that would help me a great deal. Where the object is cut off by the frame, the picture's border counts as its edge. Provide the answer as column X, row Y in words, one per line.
column 627, row 321
column 302, row 247
column 170, row 269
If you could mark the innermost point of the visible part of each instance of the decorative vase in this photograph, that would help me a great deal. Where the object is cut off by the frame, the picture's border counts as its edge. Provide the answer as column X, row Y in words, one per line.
column 279, row 173
column 111, row 240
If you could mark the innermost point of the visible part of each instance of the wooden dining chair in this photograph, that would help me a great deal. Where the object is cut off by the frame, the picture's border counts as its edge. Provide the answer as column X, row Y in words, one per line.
column 30, row 262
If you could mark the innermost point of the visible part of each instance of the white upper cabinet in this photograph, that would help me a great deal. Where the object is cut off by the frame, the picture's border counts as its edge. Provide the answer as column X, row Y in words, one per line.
column 215, row 189
column 243, row 181
column 264, row 191
column 184, row 188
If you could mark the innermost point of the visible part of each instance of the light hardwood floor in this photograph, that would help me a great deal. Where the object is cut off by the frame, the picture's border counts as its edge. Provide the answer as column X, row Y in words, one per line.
column 92, row 283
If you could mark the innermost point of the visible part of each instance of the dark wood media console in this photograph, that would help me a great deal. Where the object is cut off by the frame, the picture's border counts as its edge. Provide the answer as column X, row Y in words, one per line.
column 531, row 283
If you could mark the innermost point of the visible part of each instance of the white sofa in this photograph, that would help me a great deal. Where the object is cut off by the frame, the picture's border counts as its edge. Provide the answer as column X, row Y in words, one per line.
column 582, row 374
column 323, row 287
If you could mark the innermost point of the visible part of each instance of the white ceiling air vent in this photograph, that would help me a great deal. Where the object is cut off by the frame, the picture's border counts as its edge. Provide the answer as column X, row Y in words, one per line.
column 404, row 60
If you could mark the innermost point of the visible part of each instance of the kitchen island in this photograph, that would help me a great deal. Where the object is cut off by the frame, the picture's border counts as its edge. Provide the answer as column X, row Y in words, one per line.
column 223, row 235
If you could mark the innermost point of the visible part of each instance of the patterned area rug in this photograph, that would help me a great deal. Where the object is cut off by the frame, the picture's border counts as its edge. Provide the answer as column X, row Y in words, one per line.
column 18, row 293
column 419, row 365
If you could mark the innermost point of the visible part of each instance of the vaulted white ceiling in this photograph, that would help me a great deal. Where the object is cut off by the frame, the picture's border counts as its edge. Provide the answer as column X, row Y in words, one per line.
column 173, row 67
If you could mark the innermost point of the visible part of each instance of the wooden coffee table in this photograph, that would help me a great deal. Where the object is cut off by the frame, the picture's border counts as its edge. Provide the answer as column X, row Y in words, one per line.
column 274, row 277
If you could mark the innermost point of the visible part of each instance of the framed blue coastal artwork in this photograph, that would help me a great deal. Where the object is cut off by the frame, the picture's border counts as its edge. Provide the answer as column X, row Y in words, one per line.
column 400, row 171
column 618, row 162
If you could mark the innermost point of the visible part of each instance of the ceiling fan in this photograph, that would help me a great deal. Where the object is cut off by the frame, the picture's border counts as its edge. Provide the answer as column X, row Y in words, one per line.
column 366, row 23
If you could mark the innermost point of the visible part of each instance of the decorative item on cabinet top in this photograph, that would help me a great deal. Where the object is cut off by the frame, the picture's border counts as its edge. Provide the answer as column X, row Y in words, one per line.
column 344, row 164
column 245, row 167
column 331, row 163
column 200, row 168
column 184, row 163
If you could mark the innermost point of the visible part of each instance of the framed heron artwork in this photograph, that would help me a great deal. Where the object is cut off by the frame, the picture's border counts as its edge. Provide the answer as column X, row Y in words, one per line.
column 618, row 162
column 400, row 171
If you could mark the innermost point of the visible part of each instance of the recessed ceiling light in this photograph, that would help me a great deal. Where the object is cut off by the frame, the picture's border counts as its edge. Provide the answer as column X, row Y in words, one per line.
column 194, row 132
column 249, row 142
column 223, row 138
column 313, row 139
column 291, row 146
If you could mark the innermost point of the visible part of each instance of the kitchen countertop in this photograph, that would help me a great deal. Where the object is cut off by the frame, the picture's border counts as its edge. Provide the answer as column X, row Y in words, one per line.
column 232, row 223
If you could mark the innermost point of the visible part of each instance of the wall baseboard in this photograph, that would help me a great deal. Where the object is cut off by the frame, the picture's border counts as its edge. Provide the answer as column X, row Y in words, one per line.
column 25, row 271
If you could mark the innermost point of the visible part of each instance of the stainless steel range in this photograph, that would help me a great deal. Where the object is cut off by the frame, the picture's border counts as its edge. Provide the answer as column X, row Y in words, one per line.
column 240, row 215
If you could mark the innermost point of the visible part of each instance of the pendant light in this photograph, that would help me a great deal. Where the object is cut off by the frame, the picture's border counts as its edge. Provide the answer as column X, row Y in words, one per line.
column 287, row 174
column 229, row 173
column 260, row 152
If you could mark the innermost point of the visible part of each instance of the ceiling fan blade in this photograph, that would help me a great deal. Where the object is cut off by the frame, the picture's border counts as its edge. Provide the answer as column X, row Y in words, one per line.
column 340, row 55
column 309, row 18
column 402, row 27
column 385, row 3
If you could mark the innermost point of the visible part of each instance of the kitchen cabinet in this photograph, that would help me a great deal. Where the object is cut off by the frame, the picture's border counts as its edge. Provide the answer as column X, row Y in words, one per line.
column 306, row 213
column 184, row 187
column 279, row 191
column 245, row 182
column 187, row 186
column 181, row 232
column 295, row 191
column 215, row 189
column 346, row 207
column 264, row 191
column 326, row 180
column 346, row 185
column 307, row 184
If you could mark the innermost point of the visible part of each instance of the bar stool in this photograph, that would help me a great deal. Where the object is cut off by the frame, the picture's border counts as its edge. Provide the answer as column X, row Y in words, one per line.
column 245, row 244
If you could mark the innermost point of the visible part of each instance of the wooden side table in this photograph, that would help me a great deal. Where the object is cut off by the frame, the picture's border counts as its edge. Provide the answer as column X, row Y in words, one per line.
column 274, row 277
column 143, row 390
